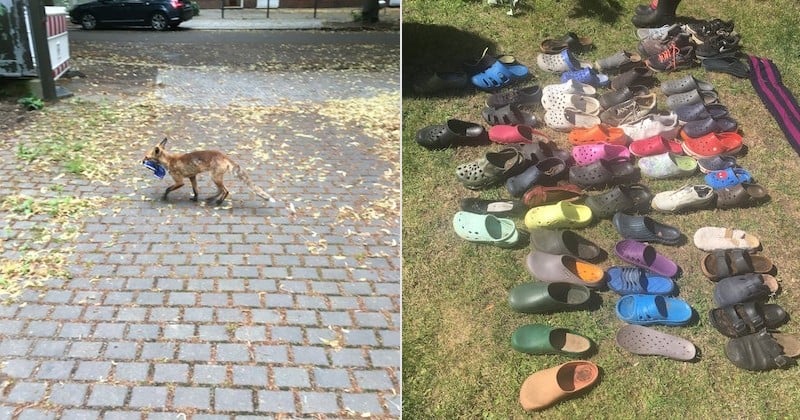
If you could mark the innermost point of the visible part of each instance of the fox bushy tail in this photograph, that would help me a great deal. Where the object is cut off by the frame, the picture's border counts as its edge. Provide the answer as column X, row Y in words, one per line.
column 241, row 174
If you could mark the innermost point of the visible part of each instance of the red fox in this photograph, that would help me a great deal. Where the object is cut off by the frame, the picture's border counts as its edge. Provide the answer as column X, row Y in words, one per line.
column 189, row 165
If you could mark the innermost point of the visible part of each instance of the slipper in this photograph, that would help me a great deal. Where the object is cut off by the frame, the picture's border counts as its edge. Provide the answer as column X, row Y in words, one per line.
column 559, row 215
column 741, row 319
column 711, row 238
column 654, row 145
column 559, row 62
column 598, row 133
column 492, row 169
column 689, row 197
column 602, row 173
column 485, row 228
column 509, row 115
column 514, row 134
column 731, row 65
column 634, row 198
column 590, row 153
column 543, row 339
column 744, row 288
column 441, row 81
column 546, row 387
column 586, row 75
column 453, row 132
column 564, row 242
column 740, row 195
column 159, row 171
column 667, row 165
column 645, row 229
column 728, row 178
column 653, row 310
column 569, row 41
column 763, row 351
column 638, row 281
column 539, row 297
column 645, row 256
column 646, row 341
column 540, row 194
column 733, row 262
column 531, row 95
column 551, row 268
column 712, row 144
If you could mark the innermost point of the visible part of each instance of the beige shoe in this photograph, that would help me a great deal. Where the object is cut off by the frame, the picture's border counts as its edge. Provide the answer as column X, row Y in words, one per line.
column 548, row 386
column 712, row 238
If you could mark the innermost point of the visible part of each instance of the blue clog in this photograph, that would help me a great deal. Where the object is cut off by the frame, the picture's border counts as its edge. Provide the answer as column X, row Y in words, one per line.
column 727, row 178
column 503, row 72
column 635, row 280
column 653, row 309
column 586, row 75
column 158, row 170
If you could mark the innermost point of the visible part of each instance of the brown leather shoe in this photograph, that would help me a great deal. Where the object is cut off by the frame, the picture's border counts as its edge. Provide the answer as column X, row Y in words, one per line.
column 544, row 388
column 540, row 194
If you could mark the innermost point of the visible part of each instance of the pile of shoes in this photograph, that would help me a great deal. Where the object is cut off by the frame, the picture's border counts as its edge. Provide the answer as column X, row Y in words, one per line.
column 742, row 284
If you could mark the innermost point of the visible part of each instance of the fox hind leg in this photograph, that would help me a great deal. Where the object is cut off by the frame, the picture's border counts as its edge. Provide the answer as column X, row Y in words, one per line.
column 222, row 192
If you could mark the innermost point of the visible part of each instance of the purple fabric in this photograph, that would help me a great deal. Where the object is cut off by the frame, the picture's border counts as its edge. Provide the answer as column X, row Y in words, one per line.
column 779, row 100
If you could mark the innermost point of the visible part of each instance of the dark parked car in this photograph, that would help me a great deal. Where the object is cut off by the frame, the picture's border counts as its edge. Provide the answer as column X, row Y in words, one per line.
column 157, row 14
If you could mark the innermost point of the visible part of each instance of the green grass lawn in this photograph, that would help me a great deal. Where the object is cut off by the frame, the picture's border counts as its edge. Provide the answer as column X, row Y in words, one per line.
column 457, row 359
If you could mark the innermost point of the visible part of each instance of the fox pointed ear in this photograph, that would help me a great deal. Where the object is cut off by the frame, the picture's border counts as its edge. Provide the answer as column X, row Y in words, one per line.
column 163, row 142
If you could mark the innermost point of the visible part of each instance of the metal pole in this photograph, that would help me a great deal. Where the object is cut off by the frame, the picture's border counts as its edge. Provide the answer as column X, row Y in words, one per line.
column 267, row 9
column 39, row 36
column 315, row 9
column 222, row 8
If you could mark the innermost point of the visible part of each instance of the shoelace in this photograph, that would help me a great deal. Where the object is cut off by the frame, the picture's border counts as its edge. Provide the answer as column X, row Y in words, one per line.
column 631, row 279
column 670, row 55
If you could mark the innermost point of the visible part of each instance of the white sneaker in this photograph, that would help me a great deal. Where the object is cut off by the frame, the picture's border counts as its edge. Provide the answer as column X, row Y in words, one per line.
column 664, row 125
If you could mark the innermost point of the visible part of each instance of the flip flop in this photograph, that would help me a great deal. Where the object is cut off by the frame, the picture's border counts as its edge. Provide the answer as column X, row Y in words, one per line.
column 653, row 310
column 645, row 341
column 710, row 238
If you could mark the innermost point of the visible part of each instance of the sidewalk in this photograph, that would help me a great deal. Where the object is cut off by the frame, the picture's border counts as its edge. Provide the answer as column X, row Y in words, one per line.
column 256, row 19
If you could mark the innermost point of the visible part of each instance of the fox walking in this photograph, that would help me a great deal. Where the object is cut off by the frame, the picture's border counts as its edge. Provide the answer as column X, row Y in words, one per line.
column 189, row 165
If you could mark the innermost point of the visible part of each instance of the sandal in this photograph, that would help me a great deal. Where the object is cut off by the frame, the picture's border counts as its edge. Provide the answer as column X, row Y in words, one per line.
column 732, row 262
column 508, row 115
column 569, row 41
column 453, row 132
column 747, row 318
column 653, row 310
column 763, row 351
column 629, row 198
column 601, row 173
column 744, row 288
column 492, row 169
column 711, row 238
column 645, row 256
column 740, row 195
column 638, row 281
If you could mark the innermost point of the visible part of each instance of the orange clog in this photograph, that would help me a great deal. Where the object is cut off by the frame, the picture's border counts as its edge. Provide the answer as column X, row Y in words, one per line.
column 712, row 144
column 546, row 387
column 598, row 133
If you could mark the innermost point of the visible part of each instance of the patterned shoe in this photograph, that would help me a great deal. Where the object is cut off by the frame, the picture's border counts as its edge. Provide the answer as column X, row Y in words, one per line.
column 671, row 59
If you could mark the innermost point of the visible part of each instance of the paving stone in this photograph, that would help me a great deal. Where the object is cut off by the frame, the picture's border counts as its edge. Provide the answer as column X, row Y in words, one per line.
column 131, row 314
column 276, row 401
column 26, row 392
column 118, row 298
column 385, row 358
column 213, row 333
column 164, row 315
column 348, row 357
column 36, row 414
column 332, row 378
column 233, row 399
column 198, row 315
column 310, row 355
column 66, row 312
column 361, row 338
column 287, row 334
column 70, row 394
column 121, row 350
column 143, row 332
column 151, row 298
column 344, row 303
column 57, row 296
column 122, row 415
column 214, row 299
column 194, row 352
column 171, row 373
column 233, row 353
column 265, row 316
column 250, row 375
column 318, row 402
column 251, row 334
column 302, row 317
column 10, row 327
column 209, row 374
column 271, row 354
column 325, row 287
column 371, row 319
column 75, row 414
column 17, row 368
column 34, row 312
column 49, row 348
column 232, row 285
column 247, row 300
column 148, row 396
column 195, row 397
column 230, row 315
column 85, row 349
column 158, row 351
column 182, row 299
column 95, row 371
column 179, row 331
column 373, row 379
column 336, row 318
column 109, row 331
column 362, row 403
column 279, row 300
column 131, row 372
column 261, row 285
column 290, row 377
column 55, row 369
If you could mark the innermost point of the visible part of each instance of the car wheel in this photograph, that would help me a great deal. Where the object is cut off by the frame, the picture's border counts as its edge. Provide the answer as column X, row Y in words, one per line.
column 159, row 21
column 88, row 21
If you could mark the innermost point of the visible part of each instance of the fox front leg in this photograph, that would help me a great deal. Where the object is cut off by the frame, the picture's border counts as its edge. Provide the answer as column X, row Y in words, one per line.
column 178, row 184
column 193, row 180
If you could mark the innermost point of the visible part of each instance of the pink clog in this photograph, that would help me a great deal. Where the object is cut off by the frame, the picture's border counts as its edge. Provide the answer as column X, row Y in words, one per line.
column 590, row 153
column 513, row 134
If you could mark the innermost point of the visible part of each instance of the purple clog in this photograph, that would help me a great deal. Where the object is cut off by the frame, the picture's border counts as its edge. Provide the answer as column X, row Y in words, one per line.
column 645, row 256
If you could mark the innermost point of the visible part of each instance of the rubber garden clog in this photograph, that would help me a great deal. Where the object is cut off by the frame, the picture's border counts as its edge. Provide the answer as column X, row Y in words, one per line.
column 485, row 228
column 543, row 339
column 540, row 194
column 728, row 178
column 529, row 95
column 564, row 242
column 587, row 76
column 712, row 144
column 598, row 133
column 590, row 153
column 667, row 165
column 654, row 145
column 744, row 288
column 558, row 62
column 645, row 256
column 552, row 268
column 541, row 297
column 740, row 195
column 546, row 172
column 653, row 310
column 634, row 198
column 638, row 281
column 546, row 387
column 497, row 208
column 563, row 214
column 602, row 173
column 503, row 72
column 492, row 169
column 645, row 229
column 451, row 133
column 514, row 134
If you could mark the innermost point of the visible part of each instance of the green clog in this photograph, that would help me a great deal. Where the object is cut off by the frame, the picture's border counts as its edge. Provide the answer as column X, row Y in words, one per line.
column 540, row 297
column 485, row 228
column 543, row 339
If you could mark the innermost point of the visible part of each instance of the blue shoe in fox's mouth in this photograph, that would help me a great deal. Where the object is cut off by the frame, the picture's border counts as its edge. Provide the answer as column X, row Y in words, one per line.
column 158, row 170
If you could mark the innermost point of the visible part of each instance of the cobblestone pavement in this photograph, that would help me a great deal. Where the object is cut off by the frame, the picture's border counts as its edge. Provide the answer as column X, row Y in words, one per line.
column 181, row 310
